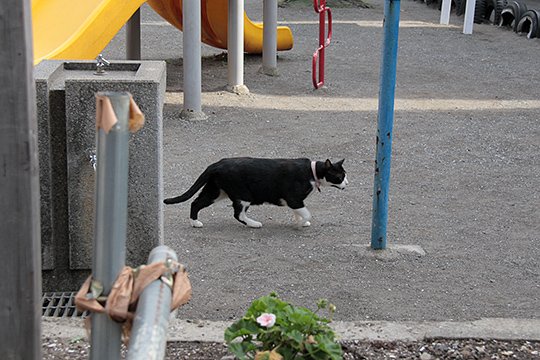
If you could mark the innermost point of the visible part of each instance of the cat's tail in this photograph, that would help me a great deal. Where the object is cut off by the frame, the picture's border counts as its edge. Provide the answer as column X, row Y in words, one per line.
column 199, row 183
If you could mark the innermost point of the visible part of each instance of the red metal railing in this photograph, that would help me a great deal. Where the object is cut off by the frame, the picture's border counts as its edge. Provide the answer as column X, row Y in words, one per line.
column 324, row 40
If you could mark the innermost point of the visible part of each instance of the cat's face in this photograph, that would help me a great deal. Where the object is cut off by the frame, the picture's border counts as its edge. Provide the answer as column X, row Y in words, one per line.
column 335, row 175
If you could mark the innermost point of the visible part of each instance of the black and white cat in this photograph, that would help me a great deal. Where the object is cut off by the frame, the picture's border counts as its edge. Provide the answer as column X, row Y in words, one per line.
column 252, row 181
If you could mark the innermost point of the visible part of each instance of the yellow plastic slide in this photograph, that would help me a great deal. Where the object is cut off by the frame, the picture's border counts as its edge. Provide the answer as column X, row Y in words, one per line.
column 214, row 25
column 80, row 30
column 70, row 30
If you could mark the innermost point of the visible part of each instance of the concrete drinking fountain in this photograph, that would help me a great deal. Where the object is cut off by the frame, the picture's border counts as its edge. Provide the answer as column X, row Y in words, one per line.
column 66, row 105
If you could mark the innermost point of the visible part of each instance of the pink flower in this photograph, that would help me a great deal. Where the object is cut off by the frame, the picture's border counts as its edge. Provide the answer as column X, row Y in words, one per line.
column 266, row 320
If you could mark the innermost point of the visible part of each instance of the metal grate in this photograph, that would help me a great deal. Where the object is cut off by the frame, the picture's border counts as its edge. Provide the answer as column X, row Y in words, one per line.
column 60, row 304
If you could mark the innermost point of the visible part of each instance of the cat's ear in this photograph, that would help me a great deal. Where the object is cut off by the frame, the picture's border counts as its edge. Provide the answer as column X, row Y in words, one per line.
column 327, row 164
column 340, row 162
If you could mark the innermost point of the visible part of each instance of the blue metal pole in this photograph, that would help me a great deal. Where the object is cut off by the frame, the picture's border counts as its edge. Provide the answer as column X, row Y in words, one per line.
column 385, row 122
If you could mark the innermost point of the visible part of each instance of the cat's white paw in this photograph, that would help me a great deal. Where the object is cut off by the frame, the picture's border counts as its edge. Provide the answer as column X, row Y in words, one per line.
column 302, row 217
column 196, row 223
column 254, row 224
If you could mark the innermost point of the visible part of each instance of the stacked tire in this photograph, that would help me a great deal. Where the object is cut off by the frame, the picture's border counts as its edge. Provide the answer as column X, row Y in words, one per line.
column 511, row 14
column 485, row 11
column 494, row 10
column 528, row 24
column 517, row 17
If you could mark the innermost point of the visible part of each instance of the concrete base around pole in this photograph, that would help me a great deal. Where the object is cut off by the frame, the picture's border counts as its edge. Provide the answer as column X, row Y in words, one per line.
column 239, row 89
column 391, row 252
column 193, row 115
column 269, row 70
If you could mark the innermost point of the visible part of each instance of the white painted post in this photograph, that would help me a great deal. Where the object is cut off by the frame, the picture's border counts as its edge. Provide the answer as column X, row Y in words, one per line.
column 235, row 47
column 269, row 55
column 191, row 17
column 445, row 12
column 469, row 17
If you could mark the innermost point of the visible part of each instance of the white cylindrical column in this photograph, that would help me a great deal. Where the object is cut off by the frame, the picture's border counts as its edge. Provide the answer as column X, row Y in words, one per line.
column 235, row 47
column 469, row 17
column 269, row 55
column 191, row 18
column 445, row 12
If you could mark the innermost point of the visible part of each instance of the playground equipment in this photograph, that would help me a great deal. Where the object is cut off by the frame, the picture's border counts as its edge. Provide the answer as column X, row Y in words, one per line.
column 223, row 23
column 65, row 29
column 214, row 29
column 324, row 41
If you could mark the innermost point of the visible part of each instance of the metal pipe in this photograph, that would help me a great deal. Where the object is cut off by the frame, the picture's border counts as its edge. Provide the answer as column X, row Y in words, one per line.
column 133, row 36
column 269, row 55
column 235, row 47
column 110, row 225
column 322, row 38
column 191, row 18
column 149, row 333
column 385, row 124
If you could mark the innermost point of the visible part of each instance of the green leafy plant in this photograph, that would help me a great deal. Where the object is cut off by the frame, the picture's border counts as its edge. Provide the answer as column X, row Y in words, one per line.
column 273, row 329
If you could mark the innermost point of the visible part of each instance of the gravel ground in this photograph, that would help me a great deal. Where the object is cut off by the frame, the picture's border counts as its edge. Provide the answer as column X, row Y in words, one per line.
column 465, row 180
column 57, row 349
column 465, row 170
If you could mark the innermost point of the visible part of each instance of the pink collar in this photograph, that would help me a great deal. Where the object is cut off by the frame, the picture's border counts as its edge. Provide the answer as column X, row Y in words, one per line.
column 317, row 181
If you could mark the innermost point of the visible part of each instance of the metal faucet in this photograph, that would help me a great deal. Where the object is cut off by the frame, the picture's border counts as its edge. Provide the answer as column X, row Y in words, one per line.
column 101, row 62
column 92, row 155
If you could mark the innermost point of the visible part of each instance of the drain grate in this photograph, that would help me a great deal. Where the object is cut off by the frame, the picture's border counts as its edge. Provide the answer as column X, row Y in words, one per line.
column 60, row 304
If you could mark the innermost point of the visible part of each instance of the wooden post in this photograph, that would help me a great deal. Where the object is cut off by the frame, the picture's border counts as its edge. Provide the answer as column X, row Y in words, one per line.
column 20, row 259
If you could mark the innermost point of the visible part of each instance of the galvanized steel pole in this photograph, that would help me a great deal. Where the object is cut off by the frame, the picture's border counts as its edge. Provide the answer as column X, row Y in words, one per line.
column 235, row 47
column 269, row 55
column 191, row 19
column 385, row 124
column 133, row 36
column 149, row 333
column 110, row 221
